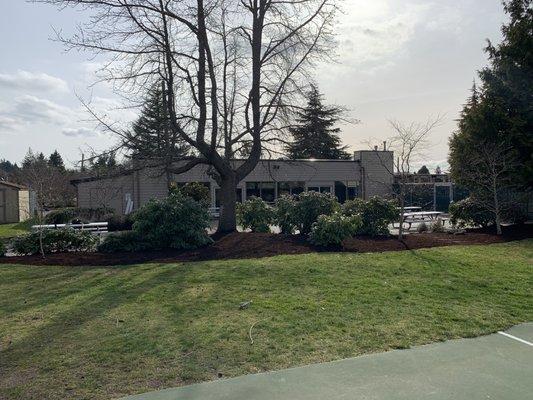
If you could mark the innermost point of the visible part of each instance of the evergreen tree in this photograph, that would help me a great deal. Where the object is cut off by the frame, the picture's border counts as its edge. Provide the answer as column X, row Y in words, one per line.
column 55, row 160
column 423, row 170
column 500, row 110
column 152, row 137
column 315, row 136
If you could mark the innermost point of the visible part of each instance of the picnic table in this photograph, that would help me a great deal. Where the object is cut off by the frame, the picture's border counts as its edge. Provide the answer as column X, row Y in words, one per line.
column 419, row 216
column 94, row 227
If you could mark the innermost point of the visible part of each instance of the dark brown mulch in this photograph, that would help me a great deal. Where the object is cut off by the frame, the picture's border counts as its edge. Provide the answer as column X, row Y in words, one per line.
column 253, row 245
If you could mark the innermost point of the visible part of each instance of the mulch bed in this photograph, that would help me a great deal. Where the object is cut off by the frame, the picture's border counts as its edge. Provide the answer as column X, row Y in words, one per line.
column 254, row 245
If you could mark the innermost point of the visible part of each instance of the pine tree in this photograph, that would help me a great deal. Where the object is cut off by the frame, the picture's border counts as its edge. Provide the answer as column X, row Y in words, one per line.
column 55, row 160
column 423, row 170
column 152, row 136
column 315, row 136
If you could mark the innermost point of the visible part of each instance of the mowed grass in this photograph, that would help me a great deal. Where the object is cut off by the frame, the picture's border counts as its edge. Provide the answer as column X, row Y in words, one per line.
column 12, row 230
column 100, row 333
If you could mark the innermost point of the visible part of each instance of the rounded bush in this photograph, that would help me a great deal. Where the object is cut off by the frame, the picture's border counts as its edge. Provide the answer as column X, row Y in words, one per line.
column 285, row 214
column 310, row 206
column 176, row 222
column 376, row 214
column 55, row 241
column 331, row 230
column 255, row 214
column 467, row 212
column 119, row 222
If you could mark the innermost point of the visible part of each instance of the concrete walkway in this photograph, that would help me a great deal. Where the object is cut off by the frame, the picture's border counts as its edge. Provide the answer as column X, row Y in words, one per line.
column 489, row 367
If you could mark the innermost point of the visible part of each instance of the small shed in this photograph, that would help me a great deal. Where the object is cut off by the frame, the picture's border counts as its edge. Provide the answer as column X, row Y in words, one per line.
column 14, row 203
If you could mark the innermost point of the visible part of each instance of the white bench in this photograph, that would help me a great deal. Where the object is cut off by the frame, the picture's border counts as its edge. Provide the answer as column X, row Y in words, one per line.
column 419, row 216
column 94, row 227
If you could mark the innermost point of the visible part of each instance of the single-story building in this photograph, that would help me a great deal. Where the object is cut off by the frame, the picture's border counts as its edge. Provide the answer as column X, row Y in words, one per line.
column 368, row 174
column 14, row 203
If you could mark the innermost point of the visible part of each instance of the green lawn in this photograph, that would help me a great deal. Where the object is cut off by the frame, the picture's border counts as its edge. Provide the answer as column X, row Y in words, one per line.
column 99, row 333
column 12, row 230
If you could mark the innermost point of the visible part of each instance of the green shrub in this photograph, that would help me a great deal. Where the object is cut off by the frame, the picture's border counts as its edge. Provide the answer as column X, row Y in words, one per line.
column 176, row 222
column 196, row 191
column 437, row 226
column 3, row 249
column 376, row 214
column 467, row 212
column 129, row 241
column 255, row 214
column 309, row 206
column 513, row 213
column 117, row 222
column 55, row 241
column 422, row 227
column 331, row 230
column 285, row 215
column 61, row 216
column 76, row 215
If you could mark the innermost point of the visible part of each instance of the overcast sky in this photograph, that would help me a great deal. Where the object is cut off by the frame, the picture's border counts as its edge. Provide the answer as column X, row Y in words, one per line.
column 397, row 59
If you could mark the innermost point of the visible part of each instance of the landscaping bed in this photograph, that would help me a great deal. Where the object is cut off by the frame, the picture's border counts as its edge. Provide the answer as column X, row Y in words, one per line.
column 255, row 245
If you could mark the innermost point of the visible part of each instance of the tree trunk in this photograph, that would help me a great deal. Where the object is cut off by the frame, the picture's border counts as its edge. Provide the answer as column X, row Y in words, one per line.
column 402, row 210
column 228, row 200
column 497, row 218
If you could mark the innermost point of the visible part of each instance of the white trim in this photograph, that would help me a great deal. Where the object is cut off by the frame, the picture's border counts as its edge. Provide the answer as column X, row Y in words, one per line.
column 516, row 338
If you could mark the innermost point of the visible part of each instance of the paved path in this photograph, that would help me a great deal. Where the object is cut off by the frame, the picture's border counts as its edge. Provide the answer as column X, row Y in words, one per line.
column 489, row 367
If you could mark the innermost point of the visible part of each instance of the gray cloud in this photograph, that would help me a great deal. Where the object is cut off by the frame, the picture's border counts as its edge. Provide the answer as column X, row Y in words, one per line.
column 32, row 81
column 31, row 109
column 79, row 132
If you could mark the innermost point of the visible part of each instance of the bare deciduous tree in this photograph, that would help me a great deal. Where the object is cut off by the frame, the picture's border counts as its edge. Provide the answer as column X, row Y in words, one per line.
column 490, row 175
column 233, row 70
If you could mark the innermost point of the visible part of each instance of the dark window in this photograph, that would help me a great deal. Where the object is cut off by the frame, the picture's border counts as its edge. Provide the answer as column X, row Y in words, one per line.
column 287, row 188
column 253, row 189
column 268, row 191
column 320, row 189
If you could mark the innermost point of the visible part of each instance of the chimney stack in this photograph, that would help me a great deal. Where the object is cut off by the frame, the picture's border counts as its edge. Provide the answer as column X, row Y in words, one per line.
column 384, row 145
column 375, row 148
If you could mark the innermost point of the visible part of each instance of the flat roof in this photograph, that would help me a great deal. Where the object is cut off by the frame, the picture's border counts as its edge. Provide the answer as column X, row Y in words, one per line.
column 13, row 185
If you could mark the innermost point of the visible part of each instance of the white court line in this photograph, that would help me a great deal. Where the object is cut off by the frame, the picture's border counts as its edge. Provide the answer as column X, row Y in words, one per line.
column 516, row 338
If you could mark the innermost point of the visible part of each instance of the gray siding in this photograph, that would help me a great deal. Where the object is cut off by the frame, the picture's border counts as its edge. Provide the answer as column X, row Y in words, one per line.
column 377, row 172
column 105, row 192
column 150, row 183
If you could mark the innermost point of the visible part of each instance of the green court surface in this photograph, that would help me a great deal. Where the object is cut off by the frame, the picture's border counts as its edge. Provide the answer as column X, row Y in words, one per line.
column 497, row 366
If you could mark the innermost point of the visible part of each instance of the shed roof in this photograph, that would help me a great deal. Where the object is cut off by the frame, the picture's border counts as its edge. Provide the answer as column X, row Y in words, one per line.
column 13, row 185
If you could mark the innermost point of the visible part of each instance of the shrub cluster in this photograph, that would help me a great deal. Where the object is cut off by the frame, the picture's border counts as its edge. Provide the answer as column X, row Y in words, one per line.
column 331, row 230
column 376, row 214
column 467, row 212
column 55, row 241
column 255, row 214
column 76, row 214
column 176, row 222
column 285, row 214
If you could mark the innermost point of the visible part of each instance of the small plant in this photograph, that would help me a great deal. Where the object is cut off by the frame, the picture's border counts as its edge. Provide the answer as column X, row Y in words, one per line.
column 285, row 214
column 438, row 226
column 255, row 214
column 331, row 230
column 3, row 249
column 422, row 227
column 55, row 241
column 310, row 206
column 376, row 214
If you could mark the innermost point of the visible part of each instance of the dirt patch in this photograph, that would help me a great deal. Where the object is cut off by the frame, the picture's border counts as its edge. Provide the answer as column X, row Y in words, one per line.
column 254, row 245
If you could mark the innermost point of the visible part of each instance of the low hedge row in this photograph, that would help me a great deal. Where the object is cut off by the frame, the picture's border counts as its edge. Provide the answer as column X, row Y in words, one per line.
column 320, row 216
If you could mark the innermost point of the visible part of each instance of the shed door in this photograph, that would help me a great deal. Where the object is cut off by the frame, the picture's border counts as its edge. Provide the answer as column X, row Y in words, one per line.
column 3, row 207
